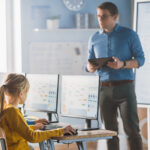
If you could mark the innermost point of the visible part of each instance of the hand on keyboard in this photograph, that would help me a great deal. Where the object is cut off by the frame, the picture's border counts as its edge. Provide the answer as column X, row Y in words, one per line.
column 42, row 120
column 38, row 126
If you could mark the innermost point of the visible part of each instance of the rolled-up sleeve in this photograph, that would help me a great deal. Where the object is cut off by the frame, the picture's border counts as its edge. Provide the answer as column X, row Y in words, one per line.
column 19, row 125
column 137, row 49
column 90, row 49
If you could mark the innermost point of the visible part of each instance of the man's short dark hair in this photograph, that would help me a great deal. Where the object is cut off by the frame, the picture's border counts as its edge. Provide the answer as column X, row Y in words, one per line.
column 111, row 7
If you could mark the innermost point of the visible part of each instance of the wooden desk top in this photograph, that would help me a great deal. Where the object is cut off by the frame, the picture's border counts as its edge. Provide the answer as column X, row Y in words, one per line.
column 88, row 134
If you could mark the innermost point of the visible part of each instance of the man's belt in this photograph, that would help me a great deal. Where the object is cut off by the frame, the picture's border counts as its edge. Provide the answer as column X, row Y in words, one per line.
column 115, row 83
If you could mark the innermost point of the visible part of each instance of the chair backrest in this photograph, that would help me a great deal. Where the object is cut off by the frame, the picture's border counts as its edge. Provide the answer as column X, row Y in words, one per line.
column 3, row 145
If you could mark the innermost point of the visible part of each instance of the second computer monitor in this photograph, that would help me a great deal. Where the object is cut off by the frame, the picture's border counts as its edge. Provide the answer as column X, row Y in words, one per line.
column 80, row 96
column 43, row 92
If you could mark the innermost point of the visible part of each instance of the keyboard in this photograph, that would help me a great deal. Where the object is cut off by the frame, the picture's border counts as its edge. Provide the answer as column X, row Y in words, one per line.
column 52, row 126
column 88, row 129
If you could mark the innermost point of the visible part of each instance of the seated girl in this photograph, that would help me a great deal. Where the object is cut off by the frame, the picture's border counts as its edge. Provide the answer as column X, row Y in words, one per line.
column 13, row 92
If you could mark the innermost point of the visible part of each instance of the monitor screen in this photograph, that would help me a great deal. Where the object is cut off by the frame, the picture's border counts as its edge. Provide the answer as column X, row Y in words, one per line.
column 43, row 92
column 80, row 96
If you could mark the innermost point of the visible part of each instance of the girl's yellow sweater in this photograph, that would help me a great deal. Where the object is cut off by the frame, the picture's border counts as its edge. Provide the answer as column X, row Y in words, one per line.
column 18, row 132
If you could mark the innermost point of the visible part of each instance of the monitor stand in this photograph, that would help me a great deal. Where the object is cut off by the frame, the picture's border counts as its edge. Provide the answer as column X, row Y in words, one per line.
column 88, row 123
column 88, row 126
column 50, row 117
column 22, row 109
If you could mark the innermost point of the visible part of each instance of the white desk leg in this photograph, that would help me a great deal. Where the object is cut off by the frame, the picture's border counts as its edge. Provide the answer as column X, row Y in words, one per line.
column 43, row 145
column 148, row 127
column 51, row 145
column 81, row 145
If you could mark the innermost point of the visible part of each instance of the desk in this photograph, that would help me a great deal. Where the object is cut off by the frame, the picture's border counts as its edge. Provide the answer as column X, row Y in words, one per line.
column 80, row 139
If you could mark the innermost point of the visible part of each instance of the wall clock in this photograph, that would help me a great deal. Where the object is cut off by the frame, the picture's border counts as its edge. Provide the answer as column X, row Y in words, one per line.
column 74, row 5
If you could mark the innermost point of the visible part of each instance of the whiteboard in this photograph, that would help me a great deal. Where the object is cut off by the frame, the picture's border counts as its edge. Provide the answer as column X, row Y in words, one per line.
column 142, row 26
column 58, row 58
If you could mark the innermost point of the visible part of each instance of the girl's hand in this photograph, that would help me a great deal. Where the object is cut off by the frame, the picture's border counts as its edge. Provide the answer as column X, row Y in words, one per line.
column 43, row 121
column 38, row 126
column 69, row 129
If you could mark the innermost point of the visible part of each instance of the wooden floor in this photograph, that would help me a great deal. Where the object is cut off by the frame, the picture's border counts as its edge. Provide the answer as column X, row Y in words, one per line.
column 90, row 146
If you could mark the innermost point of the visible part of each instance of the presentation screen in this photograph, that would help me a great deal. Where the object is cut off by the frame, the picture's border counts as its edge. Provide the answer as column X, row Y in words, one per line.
column 142, row 27
column 80, row 96
column 43, row 92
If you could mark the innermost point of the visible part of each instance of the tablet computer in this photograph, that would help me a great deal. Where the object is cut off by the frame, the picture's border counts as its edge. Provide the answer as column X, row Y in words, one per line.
column 100, row 62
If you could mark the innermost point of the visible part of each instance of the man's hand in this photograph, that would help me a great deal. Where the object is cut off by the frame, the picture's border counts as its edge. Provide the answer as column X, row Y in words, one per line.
column 91, row 68
column 43, row 121
column 116, row 64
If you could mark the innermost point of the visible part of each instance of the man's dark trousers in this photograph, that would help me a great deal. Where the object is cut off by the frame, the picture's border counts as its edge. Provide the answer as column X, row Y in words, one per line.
column 122, row 97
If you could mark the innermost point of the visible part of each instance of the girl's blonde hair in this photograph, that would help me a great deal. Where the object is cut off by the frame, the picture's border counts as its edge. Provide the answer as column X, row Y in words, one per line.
column 13, row 85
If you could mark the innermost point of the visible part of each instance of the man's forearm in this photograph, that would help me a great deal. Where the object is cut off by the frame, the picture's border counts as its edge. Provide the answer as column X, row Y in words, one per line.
column 91, row 69
column 131, row 64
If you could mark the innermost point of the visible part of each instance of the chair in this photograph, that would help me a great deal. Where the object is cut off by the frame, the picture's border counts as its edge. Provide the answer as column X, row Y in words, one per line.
column 3, row 145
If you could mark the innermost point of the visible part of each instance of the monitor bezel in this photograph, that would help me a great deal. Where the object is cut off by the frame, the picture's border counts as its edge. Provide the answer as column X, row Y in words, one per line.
column 40, row 110
column 82, row 117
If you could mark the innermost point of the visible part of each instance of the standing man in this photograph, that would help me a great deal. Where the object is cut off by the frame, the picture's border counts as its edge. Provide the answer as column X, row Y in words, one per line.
column 117, row 77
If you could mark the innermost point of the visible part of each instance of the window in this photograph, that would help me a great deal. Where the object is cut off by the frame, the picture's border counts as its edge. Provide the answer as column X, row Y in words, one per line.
column 3, row 48
column 10, row 36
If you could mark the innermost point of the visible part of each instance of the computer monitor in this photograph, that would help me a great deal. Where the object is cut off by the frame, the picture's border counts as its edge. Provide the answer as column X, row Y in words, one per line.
column 43, row 93
column 80, row 96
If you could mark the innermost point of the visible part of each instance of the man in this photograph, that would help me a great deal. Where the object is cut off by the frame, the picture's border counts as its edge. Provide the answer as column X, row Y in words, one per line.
column 117, row 77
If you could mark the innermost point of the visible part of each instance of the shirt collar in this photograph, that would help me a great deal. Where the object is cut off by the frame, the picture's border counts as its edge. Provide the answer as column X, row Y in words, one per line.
column 8, row 106
column 115, row 29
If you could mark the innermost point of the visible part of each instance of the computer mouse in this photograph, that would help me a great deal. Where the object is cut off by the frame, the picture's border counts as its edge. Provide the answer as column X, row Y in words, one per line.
column 75, row 133
column 67, row 134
